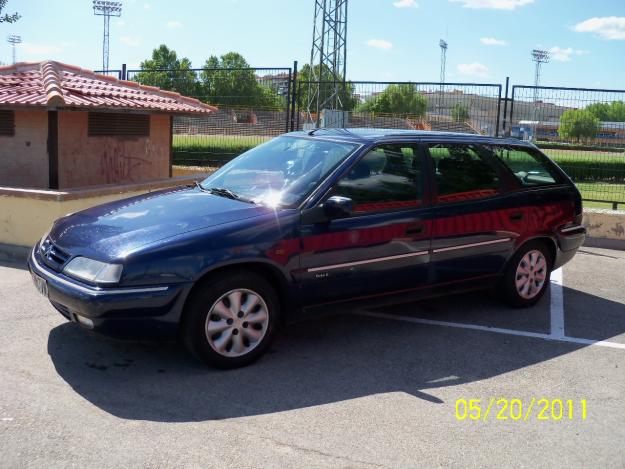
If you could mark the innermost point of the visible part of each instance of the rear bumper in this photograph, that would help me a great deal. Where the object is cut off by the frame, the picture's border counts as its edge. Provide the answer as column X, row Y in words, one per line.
column 569, row 241
column 118, row 311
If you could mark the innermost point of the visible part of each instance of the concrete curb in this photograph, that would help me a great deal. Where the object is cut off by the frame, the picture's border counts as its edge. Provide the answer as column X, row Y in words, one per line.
column 605, row 243
column 14, row 255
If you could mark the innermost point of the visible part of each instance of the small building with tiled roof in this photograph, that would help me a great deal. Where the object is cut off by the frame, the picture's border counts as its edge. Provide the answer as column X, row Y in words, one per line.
column 64, row 127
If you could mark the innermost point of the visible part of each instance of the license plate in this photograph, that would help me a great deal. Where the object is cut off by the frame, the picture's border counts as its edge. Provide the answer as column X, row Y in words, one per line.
column 41, row 284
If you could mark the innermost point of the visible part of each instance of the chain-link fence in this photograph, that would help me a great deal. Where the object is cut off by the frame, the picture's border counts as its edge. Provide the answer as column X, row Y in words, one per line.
column 451, row 107
column 583, row 130
column 253, row 106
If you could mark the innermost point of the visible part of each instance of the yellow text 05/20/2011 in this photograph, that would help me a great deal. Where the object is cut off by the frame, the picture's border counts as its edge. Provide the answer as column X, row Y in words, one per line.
column 540, row 409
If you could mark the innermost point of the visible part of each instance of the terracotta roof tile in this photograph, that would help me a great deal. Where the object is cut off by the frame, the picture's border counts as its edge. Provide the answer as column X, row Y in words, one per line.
column 56, row 85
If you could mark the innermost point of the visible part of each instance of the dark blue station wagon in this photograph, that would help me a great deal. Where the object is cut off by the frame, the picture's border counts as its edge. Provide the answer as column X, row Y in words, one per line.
column 314, row 222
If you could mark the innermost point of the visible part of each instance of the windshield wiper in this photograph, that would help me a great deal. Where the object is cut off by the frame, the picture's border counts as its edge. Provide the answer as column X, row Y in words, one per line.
column 223, row 192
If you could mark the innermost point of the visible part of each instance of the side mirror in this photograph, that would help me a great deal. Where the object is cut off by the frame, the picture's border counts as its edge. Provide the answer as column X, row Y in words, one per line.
column 338, row 207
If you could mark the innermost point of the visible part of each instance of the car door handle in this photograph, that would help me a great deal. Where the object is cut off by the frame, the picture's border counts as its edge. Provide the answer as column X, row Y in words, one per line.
column 516, row 216
column 415, row 229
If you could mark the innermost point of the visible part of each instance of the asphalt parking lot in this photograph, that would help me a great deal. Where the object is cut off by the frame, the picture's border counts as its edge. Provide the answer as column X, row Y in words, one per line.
column 371, row 389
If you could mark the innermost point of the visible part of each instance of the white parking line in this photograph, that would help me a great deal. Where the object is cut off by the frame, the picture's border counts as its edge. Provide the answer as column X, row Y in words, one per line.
column 557, row 304
column 557, row 321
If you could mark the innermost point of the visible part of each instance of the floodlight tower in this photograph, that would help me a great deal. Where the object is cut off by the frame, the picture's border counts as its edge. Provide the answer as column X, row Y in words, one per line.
column 14, row 40
column 539, row 56
column 443, row 45
column 106, row 9
column 328, row 57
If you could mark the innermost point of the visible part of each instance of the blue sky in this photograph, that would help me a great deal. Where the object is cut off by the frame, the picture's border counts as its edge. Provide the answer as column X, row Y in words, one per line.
column 388, row 40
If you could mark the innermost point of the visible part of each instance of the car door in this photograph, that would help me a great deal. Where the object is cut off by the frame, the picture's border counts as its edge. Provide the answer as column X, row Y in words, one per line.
column 384, row 245
column 471, row 235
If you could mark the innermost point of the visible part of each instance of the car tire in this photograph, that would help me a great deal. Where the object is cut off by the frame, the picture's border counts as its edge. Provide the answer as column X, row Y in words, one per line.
column 527, row 275
column 216, row 333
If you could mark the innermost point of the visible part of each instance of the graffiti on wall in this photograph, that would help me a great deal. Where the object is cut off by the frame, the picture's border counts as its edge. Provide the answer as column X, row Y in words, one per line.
column 116, row 165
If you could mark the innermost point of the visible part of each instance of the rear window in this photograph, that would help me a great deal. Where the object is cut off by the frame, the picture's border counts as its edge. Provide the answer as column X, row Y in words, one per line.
column 531, row 169
column 463, row 173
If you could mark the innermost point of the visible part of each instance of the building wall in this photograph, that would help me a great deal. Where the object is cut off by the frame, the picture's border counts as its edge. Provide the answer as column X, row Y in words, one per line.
column 24, row 157
column 87, row 161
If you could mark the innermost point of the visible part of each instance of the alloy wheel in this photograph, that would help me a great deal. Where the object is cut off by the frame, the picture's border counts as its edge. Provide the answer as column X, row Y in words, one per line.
column 237, row 323
column 531, row 274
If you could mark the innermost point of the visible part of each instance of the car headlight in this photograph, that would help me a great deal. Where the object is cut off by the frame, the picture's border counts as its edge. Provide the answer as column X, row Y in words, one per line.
column 93, row 271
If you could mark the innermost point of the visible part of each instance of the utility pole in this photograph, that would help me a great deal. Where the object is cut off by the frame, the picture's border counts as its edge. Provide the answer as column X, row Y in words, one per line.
column 14, row 40
column 106, row 9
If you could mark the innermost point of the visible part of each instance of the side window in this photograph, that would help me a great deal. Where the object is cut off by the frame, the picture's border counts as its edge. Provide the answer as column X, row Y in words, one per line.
column 529, row 168
column 462, row 173
column 386, row 178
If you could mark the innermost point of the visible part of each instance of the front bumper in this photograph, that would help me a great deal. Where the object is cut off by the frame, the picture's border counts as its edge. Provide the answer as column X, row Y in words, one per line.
column 133, row 311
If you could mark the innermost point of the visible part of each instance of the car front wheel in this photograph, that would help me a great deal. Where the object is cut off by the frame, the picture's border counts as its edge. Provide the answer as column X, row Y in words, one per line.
column 527, row 275
column 229, row 322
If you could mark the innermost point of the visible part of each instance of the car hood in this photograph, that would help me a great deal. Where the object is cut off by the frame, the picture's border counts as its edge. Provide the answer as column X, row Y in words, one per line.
column 118, row 228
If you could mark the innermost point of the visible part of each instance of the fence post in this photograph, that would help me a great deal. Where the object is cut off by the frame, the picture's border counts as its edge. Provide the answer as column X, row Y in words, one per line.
column 287, row 120
column 505, row 108
column 294, row 91
column 123, row 72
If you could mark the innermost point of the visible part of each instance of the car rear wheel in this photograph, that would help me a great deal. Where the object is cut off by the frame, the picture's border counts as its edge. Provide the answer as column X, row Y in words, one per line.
column 229, row 322
column 527, row 275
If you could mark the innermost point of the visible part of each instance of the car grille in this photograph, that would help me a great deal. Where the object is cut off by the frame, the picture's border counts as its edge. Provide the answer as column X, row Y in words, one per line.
column 53, row 256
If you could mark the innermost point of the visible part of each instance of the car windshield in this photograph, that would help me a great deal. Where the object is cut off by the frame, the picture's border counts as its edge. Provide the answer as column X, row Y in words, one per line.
column 281, row 172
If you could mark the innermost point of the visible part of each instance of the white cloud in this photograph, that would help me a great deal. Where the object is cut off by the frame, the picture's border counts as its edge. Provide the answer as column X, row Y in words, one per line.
column 380, row 44
column 40, row 50
column 130, row 41
column 491, row 41
column 564, row 54
column 607, row 27
column 474, row 69
column 174, row 24
column 147, row 6
column 493, row 4
column 406, row 4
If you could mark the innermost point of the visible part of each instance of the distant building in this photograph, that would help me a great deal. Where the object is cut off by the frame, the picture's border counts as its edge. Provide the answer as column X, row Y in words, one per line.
column 63, row 127
column 610, row 133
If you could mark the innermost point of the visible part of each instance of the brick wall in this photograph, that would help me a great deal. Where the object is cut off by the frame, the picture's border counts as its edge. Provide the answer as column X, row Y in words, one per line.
column 86, row 161
column 24, row 157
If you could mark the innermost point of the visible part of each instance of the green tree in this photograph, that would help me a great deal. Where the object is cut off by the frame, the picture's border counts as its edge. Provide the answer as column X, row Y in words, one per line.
column 165, row 70
column 397, row 99
column 228, row 80
column 578, row 124
column 613, row 112
column 325, row 79
column 7, row 18
column 460, row 113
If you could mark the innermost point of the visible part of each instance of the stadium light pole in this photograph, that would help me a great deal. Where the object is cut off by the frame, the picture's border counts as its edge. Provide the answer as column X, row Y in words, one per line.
column 14, row 40
column 539, row 56
column 443, row 45
column 106, row 9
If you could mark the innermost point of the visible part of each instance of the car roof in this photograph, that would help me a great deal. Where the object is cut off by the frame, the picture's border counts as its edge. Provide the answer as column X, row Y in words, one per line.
column 370, row 135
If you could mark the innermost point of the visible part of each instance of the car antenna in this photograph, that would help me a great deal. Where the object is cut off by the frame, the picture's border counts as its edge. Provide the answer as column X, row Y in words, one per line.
column 312, row 132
